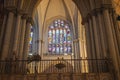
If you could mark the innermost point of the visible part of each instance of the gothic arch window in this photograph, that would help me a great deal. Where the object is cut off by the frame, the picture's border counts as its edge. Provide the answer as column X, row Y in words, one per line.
column 59, row 37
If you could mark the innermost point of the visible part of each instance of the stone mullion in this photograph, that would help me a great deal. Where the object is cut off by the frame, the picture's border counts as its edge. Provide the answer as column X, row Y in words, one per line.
column 111, row 44
column 7, row 38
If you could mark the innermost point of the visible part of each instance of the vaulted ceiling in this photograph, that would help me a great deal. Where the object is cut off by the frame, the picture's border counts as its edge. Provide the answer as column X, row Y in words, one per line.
column 28, row 6
column 49, row 9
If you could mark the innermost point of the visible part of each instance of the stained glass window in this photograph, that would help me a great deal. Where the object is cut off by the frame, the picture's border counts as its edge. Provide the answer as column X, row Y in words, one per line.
column 31, row 37
column 59, row 38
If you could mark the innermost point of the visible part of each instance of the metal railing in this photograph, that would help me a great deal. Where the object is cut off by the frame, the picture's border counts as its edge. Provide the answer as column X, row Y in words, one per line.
column 54, row 66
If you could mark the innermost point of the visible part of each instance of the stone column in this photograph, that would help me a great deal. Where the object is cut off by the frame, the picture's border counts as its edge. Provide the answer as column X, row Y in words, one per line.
column 78, row 49
column 6, row 42
column 2, row 33
column 88, row 41
column 102, row 36
column 92, row 54
column 26, row 40
column 111, row 44
column 84, row 43
column 22, row 36
column 16, row 36
column 74, row 47
column 116, row 34
column 96, row 38
column 81, row 47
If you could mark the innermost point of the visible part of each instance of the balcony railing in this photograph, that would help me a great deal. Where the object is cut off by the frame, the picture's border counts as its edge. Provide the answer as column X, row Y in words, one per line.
column 54, row 66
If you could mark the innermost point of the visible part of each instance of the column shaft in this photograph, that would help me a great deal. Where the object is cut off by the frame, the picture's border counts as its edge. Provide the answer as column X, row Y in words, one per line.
column 111, row 43
column 88, row 40
column 26, row 40
column 2, row 33
column 16, row 36
column 78, row 48
column 92, row 54
column 102, row 36
column 7, row 36
column 22, row 38
column 96, row 38
column 74, row 47
column 115, row 32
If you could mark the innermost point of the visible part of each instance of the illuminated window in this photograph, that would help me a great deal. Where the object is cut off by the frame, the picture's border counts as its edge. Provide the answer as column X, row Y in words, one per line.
column 59, row 38
column 31, row 37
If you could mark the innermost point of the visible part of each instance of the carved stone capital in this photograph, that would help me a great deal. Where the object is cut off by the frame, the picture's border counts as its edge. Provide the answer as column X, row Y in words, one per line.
column 93, row 12
column 11, row 9
column 30, row 20
column 24, row 16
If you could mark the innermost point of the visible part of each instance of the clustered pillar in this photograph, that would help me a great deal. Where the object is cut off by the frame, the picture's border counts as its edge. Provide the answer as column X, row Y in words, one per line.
column 6, row 41
column 14, row 38
column 101, row 39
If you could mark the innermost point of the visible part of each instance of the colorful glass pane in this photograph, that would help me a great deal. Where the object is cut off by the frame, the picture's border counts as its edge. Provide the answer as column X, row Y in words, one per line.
column 59, row 37
column 31, row 39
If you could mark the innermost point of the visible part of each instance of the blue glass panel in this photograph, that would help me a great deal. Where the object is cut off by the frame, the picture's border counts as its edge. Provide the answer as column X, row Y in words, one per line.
column 57, row 30
column 61, row 31
column 57, row 49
